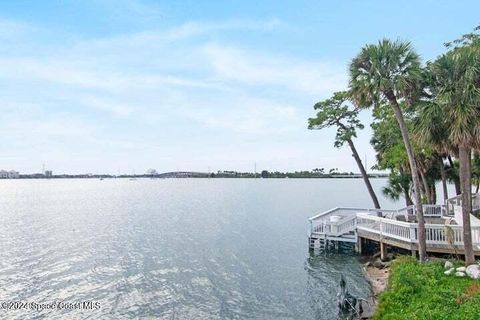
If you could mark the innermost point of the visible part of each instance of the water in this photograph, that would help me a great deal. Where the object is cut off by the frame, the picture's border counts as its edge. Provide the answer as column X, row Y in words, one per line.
column 174, row 248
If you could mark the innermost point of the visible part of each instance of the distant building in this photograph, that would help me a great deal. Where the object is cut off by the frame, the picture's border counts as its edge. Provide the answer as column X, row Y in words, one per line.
column 48, row 173
column 12, row 174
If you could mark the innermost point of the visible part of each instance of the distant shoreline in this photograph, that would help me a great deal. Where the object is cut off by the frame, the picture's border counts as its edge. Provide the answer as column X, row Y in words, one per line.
column 188, row 177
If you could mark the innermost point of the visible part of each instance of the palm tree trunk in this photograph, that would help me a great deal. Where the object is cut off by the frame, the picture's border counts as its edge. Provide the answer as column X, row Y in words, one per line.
column 422, row 244
column 406, row 192
column 466, row 185
column 426, row 189
column 456, row 179
column 408, row 200
column 364, row 174
column 444, row 180
column 433, row 192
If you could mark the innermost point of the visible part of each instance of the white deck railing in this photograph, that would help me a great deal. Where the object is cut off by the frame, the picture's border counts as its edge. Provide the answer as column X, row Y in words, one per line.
column 429, row 210
column 436, row 234
column 385, row 223
column 338, row 228
column 457, row 201
column 396, row 229
column 321, row 222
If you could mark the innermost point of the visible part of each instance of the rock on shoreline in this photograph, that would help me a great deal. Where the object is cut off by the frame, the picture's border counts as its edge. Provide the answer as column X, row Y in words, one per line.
column 472, row 271
column 377, row 273
column 378, row 278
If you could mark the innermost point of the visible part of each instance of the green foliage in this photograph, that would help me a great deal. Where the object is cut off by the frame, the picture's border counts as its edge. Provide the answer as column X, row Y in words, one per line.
column 265, row 174
column 399, row 184
column 466, row 39
column 315, row 173
column 431, row 127
column 387, row 139
column 383, row 71
column 333, row 112
column 440, row 107
column 391, row 153
column 423, row 291
column 456, row 80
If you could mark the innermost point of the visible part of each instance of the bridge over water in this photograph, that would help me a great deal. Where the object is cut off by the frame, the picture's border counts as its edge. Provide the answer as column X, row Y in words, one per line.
column 182, row 174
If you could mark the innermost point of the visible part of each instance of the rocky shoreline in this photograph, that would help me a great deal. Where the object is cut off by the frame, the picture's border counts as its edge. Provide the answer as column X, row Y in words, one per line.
column 376, row 272
column 378, row 279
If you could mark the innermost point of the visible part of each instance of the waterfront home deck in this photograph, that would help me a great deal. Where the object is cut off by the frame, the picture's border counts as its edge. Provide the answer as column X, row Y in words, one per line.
column 398, row 228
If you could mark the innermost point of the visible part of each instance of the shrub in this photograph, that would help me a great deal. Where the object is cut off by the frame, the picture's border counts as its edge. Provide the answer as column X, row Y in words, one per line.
column 423, row 291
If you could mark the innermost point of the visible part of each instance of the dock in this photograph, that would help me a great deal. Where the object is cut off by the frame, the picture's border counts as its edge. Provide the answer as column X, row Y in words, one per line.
column 397, row 228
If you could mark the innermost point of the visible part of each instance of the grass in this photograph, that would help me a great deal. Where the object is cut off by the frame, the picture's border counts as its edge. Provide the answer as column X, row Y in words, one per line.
column 423, row 291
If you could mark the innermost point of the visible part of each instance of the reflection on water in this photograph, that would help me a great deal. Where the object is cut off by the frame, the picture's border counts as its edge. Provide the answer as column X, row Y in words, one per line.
column 172, row 249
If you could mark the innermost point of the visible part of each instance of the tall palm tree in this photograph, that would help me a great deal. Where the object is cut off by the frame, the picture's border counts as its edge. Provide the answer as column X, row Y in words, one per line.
column 456, row 76
column 333, row 112
column 391, row 71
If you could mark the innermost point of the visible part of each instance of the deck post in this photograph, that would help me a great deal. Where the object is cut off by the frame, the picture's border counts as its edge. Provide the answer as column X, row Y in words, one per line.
column 383, row 251
column 358, row 245
column 414, row 252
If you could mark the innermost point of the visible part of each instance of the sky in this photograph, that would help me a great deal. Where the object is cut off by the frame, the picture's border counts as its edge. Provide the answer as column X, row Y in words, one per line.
column 121, row 86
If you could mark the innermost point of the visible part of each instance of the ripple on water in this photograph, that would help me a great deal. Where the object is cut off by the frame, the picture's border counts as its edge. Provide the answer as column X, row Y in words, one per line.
column 169, row 249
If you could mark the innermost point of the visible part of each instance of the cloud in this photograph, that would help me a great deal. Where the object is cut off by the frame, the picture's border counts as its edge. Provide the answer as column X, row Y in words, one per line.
column 252, row 68
column 31, row 128
column 248, row 115
column 44, row 70
column 120, row 109
column 194, row 28
column 65, row 73
column 158, row 94
column 184, row 31
column 219, row 86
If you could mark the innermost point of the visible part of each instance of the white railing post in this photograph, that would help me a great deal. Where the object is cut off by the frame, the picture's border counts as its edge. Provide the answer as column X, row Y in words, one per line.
column 412, row 233
column 475, row 236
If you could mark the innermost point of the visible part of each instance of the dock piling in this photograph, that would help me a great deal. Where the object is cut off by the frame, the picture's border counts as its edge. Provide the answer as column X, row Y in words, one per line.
column 383, row 251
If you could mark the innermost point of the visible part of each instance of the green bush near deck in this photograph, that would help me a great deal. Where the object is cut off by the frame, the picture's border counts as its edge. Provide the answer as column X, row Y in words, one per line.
column 423, row 291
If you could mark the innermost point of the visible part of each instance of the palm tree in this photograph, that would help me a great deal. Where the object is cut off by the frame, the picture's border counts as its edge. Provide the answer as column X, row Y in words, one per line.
column 432, row 129
column 333, row 112
column 457, row 81
column 398, row 184
column 391, row 71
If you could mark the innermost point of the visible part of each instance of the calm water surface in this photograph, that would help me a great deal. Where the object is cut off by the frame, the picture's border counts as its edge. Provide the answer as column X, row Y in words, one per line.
column 174, row 248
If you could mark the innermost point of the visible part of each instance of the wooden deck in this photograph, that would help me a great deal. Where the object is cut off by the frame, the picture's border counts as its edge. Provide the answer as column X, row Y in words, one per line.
column 394, row 227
